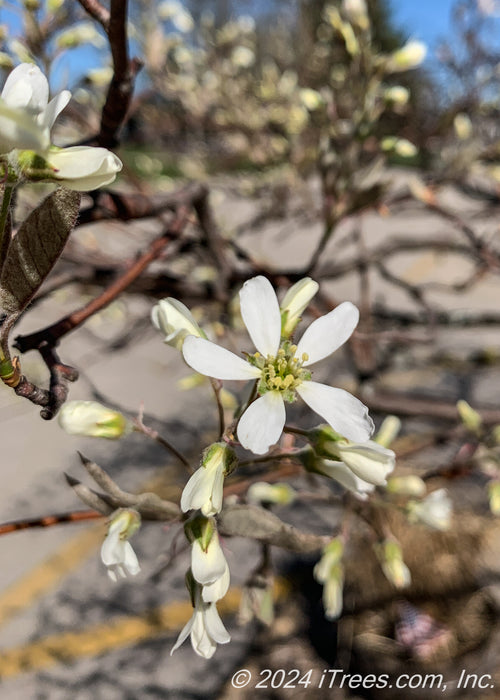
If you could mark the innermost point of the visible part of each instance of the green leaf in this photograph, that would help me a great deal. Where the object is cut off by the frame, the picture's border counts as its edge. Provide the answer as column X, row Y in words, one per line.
column 36, row 247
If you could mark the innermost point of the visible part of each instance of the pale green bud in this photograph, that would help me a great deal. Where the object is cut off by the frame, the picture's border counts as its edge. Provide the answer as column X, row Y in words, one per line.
column 462, row 126
column 295, row 301
column 78, row 34
column 200, row 528
column 356, row 12
column 388, row 431
column 93, row 420
column 494, row 496
column 397, row 94
column 312, row 100
column 391, row 559
column 469, row 417
column 279, row 494
column 330, row 573
column 410, row 485
column 409, row 56
column 402, row 147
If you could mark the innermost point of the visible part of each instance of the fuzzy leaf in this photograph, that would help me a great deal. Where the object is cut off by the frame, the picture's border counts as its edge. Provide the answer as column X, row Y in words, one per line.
column 36, row 247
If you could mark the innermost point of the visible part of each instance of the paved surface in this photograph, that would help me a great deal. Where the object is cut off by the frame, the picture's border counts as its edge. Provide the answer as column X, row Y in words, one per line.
column 65, row 630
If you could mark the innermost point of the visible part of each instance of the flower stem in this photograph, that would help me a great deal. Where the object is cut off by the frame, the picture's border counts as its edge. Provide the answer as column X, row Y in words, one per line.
column 153, row 434
column 216, row 386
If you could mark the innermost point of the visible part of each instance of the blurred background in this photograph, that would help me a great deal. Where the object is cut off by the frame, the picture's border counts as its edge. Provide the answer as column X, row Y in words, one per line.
column 354, row 142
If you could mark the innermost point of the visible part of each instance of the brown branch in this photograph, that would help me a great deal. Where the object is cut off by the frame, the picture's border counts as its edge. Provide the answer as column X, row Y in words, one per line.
column 407, row 405
column 97, row 12
column 51, row 335
column 77, row 516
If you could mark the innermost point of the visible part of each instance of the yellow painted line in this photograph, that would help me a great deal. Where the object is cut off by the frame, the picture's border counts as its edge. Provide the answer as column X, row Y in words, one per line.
column 43, row 577
column 115, row 634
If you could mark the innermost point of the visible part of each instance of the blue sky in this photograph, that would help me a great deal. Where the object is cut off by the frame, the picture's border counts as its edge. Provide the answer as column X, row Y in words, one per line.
column 427, row 20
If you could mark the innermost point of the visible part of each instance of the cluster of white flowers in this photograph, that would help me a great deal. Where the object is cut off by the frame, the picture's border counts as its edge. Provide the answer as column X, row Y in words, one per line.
column 26, row 118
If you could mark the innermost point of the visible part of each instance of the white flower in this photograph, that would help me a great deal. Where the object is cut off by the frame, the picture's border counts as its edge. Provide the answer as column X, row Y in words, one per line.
column 26, row 115
column 209, row 567
column 175, row 321
column 92, row 419
column 116, row 552
column 435, row 510
column 204, row 488
column 26, row 118
column 280, row 369
column 205, row 628
column 83, row 168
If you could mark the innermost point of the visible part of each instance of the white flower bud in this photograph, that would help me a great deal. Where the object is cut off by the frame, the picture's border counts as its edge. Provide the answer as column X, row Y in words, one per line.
column 397, row 94
column 295, row 301
column 391, row 559
column 116, row 552
column 279, row 494
column 356, row 12
column 330, row 573
column 172, row 318
column 463, row 126
column 411, row 55
column 92, row 419
column 204, row 489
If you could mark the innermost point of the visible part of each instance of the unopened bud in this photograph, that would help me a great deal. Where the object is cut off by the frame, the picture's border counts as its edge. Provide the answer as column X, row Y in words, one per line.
column 279, row 494
column 92, row 419
column 294, row 303
column 469, row 417
column 391, row 559
column 410, row 485
column 388, row 431
column 409, row 56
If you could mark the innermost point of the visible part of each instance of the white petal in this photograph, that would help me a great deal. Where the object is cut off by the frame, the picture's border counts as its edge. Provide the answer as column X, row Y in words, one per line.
column 184, row 633
column 370, row 462
column 328, row 333
column 112, row 575
column 350, row 481
column 110, row 550
column 130, row 561
column 262, row 423
column 261, row 313
column 83, row 167
column 214, row 626
column 213, row 592
column 27, row 87
column 20, row 130
column 208, row 566
column 343, row 411
column 201, row 641
column 197, row 490
column 213, row 361
column 55, row 107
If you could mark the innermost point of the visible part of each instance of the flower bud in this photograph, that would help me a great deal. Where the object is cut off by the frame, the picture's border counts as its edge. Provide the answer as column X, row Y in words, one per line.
column 388, row 431
column 462, row 126
column 279, row 494
column 330, row 573
column 391, row 559
column 410, row 485
column 93, row 420
column 494, row 496
column 116, row 552
column 294, row 303
column 435, row 510
column 469, row 417
column 397, row 94
column 356, row 12
column 204, row 489
column 311, row 99
column 172, row 318
column 409, row 56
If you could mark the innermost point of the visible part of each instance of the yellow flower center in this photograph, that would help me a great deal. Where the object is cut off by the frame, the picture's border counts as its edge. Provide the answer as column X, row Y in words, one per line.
column 282, row 372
